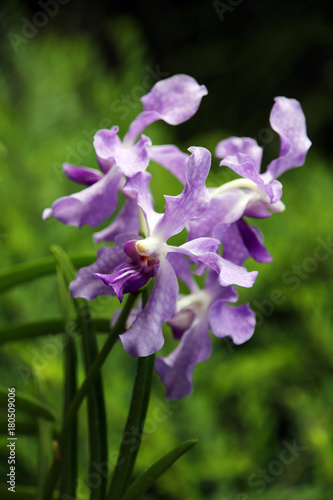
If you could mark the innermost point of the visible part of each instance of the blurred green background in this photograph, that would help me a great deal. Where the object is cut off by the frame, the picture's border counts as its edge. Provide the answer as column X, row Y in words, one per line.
column 85, row 68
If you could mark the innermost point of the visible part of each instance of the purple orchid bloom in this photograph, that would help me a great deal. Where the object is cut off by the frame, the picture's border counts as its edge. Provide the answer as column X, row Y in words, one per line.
column 254, row 195
column 135, row 260
column 197, row 313
column 173, row 100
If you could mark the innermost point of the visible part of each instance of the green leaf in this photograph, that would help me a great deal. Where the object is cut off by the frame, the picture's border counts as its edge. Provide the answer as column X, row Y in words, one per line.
column 27, row 271
column 97, row 428
column 150, row 475
column 85, row 387
column 69, row 450
column 28, row 403
column 134, row 424
column 23, row 330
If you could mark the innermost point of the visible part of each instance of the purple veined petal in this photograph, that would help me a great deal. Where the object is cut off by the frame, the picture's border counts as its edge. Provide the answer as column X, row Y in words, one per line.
column 236, row 322
column 174, row 100
column 287, row 119
column 125, row 278
column 234, row 248
column 144, row 336
column 243, row 165
column 176, row 370
column 92, row 205
column 229, row 273
column 106, row 142
column 82, row 175
column 192, row 201
column 171, row 158
column 130, row 159
column 234, row 145
column 138, row 187
column 127, row 220
column 86, row 285
column 258, row 210
column 254, row 242
column 218, row 292
column 183, row 271
column 223, row 209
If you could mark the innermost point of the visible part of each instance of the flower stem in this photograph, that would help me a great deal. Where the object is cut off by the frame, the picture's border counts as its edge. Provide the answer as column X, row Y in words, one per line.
column 134, row 424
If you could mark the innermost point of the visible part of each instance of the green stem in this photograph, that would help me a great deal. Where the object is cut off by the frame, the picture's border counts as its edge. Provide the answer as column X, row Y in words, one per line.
column 83, row 391
column 134, row 425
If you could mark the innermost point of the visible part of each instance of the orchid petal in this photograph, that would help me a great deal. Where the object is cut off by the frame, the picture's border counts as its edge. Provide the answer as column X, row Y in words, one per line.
column 192, row 201
column 176, row 370
column 287, row 119
column 171, row 158
column 92, row 205
column 144, row 336
column 237, row 322
column 82, row 175
column 234, row 145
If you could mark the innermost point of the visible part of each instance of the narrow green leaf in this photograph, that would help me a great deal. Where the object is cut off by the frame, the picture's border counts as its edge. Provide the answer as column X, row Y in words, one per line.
column 44, row 447
column 97, row 428
column 28, row 403
column 84, row 389
column 150, row 475
column 69, row 451
column 27, row 271
column 134, row 424
column 23, row 330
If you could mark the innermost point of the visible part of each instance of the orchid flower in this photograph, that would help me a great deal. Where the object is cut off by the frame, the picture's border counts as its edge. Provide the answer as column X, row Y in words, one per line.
column 173, row 100
column 135, row 260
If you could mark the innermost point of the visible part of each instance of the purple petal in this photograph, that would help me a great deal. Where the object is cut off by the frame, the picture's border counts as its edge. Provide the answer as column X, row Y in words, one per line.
column 82, row 175
column 125, row 278
column 287, row 119
column 176, row 370
column 138, row 187
column 229, row 273
column 233, row 246
column 237, row 322
column 174, row 100
column 171, row 158
column 92, row 205
column 127, row 220
column 253, row 241
column 234, row 145
column 144, row 337
column 86, row 285
column 183, row 271
column 130, row 159
column 223, row 209
column 192, row 201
